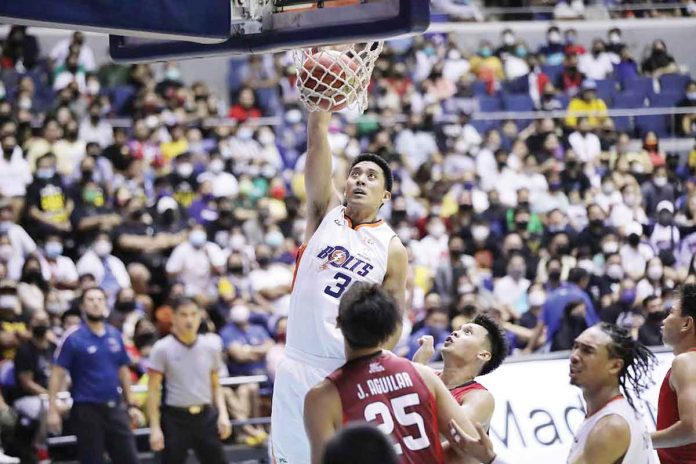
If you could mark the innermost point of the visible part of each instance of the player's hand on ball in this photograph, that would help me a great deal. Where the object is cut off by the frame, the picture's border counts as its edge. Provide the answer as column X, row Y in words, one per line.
column 156, row 439
column 224, row 428
column 480, row 448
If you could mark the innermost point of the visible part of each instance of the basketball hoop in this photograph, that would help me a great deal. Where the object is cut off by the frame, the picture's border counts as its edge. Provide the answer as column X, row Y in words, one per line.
column 333, row 78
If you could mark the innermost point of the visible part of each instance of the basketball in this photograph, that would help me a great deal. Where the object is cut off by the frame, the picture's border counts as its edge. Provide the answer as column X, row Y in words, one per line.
column 327, row 81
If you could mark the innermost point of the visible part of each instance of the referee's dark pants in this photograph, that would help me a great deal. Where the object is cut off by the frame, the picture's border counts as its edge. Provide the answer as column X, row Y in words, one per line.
column 191, row 428
column 103, row 427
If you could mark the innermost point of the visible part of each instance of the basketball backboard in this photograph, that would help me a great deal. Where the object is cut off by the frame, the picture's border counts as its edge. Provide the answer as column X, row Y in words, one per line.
column 263, row 26
column 204, row 21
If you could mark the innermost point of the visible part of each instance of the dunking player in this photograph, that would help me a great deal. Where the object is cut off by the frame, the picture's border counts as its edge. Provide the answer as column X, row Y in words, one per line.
column 344, row 243
column 476, row 348
column 675, row 438
column 606, row 363
column 404, row 399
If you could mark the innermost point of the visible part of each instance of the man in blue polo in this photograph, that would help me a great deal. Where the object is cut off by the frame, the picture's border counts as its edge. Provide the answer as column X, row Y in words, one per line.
column 556, row 301
column 95, row 357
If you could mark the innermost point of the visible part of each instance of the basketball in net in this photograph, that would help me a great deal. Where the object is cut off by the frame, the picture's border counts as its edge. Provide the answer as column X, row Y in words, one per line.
column 331, row 79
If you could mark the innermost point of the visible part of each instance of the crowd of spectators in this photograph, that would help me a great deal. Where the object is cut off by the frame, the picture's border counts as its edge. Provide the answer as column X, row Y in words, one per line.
column 550, row 225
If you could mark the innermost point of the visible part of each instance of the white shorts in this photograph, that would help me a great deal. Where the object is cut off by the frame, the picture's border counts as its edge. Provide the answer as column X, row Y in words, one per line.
column 292, row 382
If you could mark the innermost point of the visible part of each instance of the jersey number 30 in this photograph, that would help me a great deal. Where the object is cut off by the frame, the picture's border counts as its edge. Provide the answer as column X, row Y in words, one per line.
column 340, row 286
column 404, row 418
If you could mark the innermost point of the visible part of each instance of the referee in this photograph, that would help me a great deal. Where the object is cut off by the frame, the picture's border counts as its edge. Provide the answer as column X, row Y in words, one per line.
column 187, row 363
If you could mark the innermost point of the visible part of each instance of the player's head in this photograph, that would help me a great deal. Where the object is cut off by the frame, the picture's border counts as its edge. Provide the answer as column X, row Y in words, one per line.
column 481, row 341
column 369, row 181
column 367, row 316
column 606, row 354
column 680, row 325
column 359, row 443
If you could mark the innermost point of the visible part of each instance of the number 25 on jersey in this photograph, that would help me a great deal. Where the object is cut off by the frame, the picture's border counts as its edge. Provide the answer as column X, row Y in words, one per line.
column 405, row 419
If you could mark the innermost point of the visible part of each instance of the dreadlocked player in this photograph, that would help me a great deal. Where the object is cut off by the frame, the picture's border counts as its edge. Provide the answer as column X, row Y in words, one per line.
column 607, row 365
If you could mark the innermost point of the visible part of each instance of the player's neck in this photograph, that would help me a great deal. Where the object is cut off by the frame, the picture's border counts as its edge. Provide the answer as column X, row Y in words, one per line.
column 360, row 352
column 597, row 398
column 683, row 346
column 187, row 338
column 359, row 216
column 455, row 375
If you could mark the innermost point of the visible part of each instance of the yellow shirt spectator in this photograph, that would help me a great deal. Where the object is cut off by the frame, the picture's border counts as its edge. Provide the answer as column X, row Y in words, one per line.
column 579, row 105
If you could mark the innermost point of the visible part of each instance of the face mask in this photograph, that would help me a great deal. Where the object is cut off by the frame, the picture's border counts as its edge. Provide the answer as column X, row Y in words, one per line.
column 404, row 234
column 8, row 302
column 237, row 241
column 245, row 133
column 615, row 271
column 654, row 272
column 630, row 199
column 235, row 269
column 521, row 52
column 264, row 260
column 660, row 181
column 184, row 169
column 508, row 39
column 437, row 230
column 554, row 37
column 125, row 306
column 39, row 331
column 537, row 298
column 516, row 273
column 480, row 233
column 665, row 219
column 596, row 223
column 197, row 238
column 608, row 189
column 239, row 314
column 274, row 239
column 521, row 225
column 216, row 166
column 691, row 95
column 610, row 247
column 93, row 87
column 6, row 252
column 266, row 138
column 45, row 173
column 587, row 265
column 485, row 52
column 454, row 55
column 628, row 296
column 54, row 249
column 555, row 275
column 102, row 248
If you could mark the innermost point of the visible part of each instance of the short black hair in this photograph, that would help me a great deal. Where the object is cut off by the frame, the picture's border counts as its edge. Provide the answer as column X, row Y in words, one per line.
column 383, row 165
column 498, row 341
column 577, row 274
column 367, row 315
column 687, row 299
column 359, row 443
column 179, row 303
column 89, row 289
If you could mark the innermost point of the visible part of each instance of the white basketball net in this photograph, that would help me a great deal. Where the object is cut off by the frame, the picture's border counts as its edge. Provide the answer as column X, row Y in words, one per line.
column 335, row 76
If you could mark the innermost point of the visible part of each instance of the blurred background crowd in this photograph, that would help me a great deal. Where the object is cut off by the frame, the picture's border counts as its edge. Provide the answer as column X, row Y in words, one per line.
column 127, row 178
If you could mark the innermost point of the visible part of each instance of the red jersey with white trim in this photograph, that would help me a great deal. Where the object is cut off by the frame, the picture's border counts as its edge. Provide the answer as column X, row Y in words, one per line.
column 668, row 415
column 388, row 391
column 460, row 391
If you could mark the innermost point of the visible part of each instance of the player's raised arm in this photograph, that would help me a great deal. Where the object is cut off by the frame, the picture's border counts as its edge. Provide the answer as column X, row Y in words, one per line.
column 321, row 194
column 395, row 282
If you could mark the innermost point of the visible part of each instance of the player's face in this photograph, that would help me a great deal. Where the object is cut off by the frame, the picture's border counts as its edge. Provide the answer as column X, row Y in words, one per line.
column 673, row 325
column 366, row 186
column 467, row 343
column 590, row 363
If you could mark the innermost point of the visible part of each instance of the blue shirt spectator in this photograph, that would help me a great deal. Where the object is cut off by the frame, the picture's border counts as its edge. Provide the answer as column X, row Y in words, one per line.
column 437, row 325
column 93, row 362
column 246, row 344
column 557, row 300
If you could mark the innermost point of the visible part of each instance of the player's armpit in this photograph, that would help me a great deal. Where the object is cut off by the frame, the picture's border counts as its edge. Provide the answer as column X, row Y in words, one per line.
column 607, row 442
column 322, row 417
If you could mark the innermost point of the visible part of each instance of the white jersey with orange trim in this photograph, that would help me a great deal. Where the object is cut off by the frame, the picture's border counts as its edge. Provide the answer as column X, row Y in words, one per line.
column 336, row 256
column 640, row 450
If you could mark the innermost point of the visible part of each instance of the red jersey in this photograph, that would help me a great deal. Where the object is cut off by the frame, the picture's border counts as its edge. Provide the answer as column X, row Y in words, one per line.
column 461, row 391
column 667, row 415
column 389, row 392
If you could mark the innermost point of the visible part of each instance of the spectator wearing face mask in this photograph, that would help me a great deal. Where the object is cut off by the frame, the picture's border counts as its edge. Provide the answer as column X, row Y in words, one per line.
column 553, row 51
column 584, row 142
column 435, row 324
column 17, row 243
column 650, row 332
column 665, row 236
column 245, row 106
column 635, row 253
column 432, row 249
column 625, row 68
column 598, row 64
column 271, row 282
column 615, row 43
column 572, row 324
column 15, row 174
column 630, row 208
column 486, row 66
column 49, row 206
column 61, row 269
column 659, row 62
column 587, row 102
column 686, row 123
column 591, row 237
column 449, row 272
column 608, row 198
column 654, row 280
column 657, row 190
column 183, row 180
column 195, row 262
column 224, row 184
column 13, row 329
column 109, row 271
column 511, row 290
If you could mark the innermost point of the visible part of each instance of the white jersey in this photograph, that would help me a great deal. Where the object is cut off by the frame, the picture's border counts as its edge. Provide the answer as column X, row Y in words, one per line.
column 336, row 256
column 640, row 450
